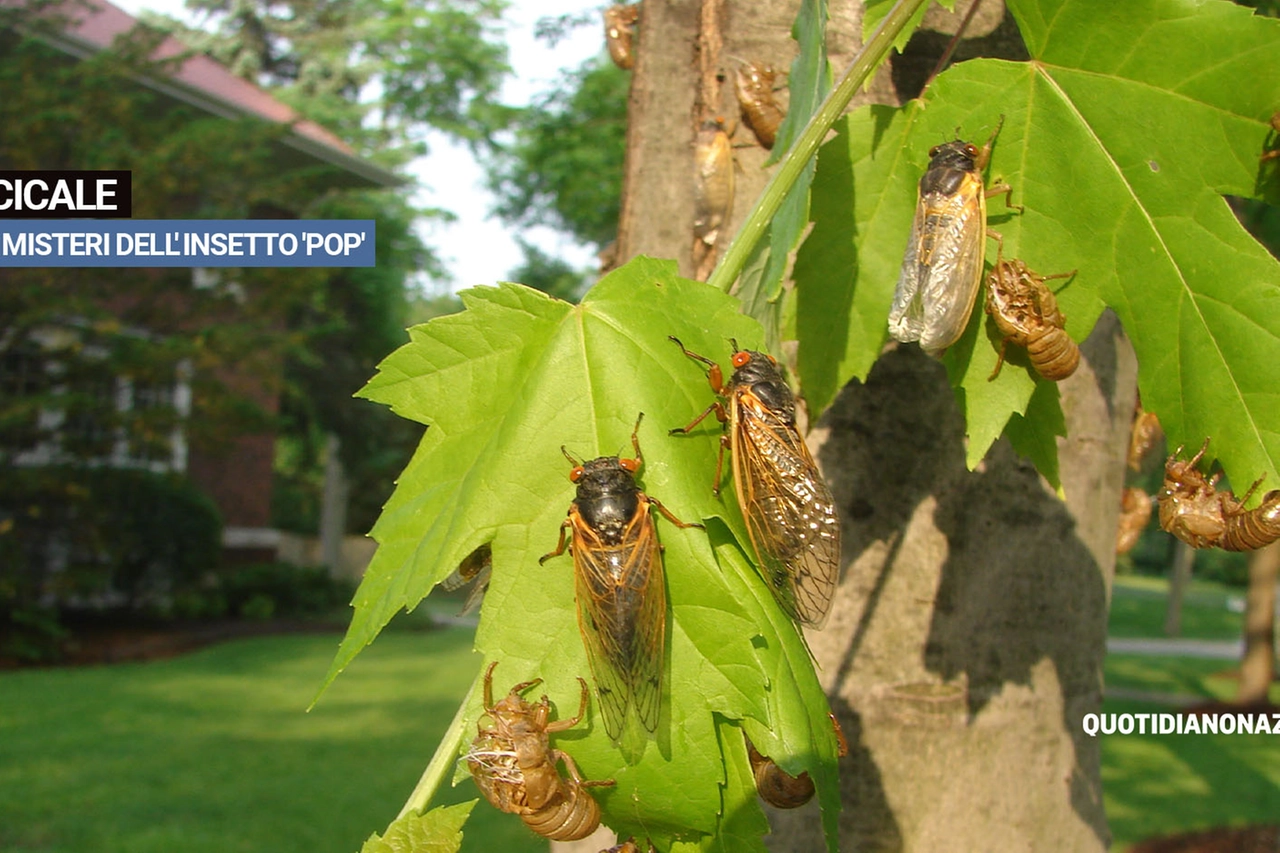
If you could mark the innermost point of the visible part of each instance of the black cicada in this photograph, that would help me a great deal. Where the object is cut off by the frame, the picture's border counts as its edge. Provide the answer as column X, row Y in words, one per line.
column 621, row 592
column 791, row 516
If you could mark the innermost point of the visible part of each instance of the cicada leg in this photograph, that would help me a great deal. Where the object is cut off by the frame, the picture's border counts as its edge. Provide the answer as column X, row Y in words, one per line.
column 560, row 546
column 670, row 516
column 561, row 725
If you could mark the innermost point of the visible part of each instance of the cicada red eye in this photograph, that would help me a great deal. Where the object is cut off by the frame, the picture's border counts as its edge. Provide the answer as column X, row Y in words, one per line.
column 632, row 465
column 576, row 474
column 971, row 150
column 933, row 152
column 741, row 358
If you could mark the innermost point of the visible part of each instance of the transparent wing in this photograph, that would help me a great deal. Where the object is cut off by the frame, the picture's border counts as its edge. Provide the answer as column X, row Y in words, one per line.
column 790, row 513
column 622, row 608
column 951, row 271
column 906, row 315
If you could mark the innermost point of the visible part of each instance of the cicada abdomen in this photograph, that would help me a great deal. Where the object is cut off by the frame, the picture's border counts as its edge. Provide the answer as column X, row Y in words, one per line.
column 942, row 267
column 790, row 513
column 1190, row 506
column 760, row 110
column 1250, row 529
column 514, row 765
column 1026, row 313
column 619, row 33
column 1135, row 512
column 620, row 589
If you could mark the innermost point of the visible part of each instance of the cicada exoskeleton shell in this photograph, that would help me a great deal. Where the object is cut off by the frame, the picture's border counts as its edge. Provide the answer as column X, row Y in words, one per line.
column 620, row 588
column 1251, row 529
column 1190, row 507
column 1143, row 434
column 713, row 188
column 942, row 267
column 753, row 83
column 514, row 765
column 788, row 507
column 1026, row 313
column 776, row 786
column 619, row 33
column 1135, row 512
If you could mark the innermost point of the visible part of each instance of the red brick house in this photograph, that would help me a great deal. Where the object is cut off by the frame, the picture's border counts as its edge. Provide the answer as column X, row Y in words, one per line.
column 239, row 480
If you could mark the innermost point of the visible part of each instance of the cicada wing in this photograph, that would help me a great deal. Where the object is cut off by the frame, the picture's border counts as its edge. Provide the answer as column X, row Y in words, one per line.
column 906, row 314
column 621, row 615
column 790, row 513
column 949, row 283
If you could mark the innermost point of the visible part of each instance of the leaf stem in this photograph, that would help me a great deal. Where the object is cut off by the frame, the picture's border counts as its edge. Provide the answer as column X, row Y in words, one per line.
column 731, row 265
column 446, row 755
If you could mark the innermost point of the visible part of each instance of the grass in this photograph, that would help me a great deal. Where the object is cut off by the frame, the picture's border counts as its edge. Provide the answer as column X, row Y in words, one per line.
column 1138, row 606
column 214, row 751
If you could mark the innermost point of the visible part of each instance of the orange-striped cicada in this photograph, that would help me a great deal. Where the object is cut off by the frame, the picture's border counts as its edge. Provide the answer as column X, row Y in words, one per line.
column 942, row 268
column 620, row 588
column 790, row 513
column 619, row 33
column 1026, row 313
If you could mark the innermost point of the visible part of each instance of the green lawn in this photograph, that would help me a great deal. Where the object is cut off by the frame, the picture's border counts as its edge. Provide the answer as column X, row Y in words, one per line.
column 214, row 751
column 1138, row 607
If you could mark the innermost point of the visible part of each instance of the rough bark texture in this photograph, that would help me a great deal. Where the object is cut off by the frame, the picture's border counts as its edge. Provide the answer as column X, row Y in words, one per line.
column 967, row 638
column 1258, row 667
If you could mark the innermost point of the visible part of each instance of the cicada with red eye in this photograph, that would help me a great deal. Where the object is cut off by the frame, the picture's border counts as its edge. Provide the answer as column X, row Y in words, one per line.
column 942, row 267
column 619, row 33
column 790, row 513
column 620, row 587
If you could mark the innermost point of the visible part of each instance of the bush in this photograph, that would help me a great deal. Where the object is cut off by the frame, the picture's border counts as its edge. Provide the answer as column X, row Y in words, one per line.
column 289, row 590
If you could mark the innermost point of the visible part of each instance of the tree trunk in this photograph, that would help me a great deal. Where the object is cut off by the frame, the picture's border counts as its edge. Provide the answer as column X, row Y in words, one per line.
column 1258, row 667
column 967, row 637
column 1184, row 557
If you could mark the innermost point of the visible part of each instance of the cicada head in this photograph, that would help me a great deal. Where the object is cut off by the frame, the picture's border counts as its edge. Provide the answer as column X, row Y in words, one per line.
column 956, row 154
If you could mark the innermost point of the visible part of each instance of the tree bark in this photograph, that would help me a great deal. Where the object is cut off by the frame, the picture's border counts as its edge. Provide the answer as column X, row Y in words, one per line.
column 1184, row 556
column 1258, row 666
column 968, row 632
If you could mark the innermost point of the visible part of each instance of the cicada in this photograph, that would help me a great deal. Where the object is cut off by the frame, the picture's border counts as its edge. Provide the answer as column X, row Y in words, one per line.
column 1135, row 512
column 628, row 846
column 790, row 513
column 754, row 85
column 620, row 588
column 1190, row 507
column 619, row 33
column 475, row 569
column 514, row 765
column 1026, row 313
column 942, row 268
column 1272, row 153
column 712, row 193
column 1143, row 434
column 779, row 788
column 1250, row 529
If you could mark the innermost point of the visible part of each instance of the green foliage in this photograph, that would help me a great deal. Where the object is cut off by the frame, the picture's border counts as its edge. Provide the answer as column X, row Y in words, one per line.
column 1120, row 143
column 503, row 385
column 288, row 590
column 109, row 532
column 437, row 831
column 564, row 168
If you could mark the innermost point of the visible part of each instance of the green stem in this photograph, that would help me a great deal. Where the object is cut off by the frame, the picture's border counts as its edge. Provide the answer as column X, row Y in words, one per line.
column 730, row 266
column 446, row 756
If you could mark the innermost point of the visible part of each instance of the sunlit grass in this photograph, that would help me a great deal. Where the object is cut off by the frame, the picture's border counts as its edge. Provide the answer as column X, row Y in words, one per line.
column 215, row 751
column 1139, row 604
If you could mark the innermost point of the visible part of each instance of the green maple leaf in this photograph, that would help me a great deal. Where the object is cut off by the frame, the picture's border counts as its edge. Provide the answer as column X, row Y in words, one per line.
column 437, row 831
column 502, row 386
column 1121, row 136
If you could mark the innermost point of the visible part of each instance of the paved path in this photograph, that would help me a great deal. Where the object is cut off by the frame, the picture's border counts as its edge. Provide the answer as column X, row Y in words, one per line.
column 1217, row 649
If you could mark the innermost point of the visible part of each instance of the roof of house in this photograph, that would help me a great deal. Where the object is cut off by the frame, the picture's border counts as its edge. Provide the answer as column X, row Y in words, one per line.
column 208, row 85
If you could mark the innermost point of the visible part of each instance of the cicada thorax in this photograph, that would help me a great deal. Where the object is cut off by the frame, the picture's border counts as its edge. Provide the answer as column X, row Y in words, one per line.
column 620, row 587
column 1190, row 506
column 1026, row 312
column 514, row 766
column 1135, row 512
column 619, row 33
column 942, row 267
column 760, row 110
column 788, row 507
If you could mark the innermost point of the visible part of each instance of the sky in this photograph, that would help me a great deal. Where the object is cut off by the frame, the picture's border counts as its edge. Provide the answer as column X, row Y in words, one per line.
column 477, row 248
